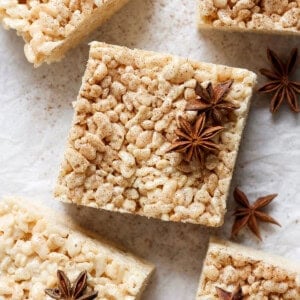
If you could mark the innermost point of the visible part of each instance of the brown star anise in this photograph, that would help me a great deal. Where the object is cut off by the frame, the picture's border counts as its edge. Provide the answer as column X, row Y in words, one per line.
column 22, row 1
column 211, row 101
column 195, row 140
column 249, row 214
column 281, row 85
column 237, row 294
column 66, row 291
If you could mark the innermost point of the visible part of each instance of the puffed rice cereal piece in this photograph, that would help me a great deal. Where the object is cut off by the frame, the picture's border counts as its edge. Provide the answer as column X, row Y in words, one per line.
column 260, row 275
column 116, row 157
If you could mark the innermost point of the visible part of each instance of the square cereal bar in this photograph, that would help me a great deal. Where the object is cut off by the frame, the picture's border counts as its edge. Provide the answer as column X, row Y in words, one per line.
column 50, row 28
column 125, row 119
column 35, row 244
column 268, row 16
column 261, row 276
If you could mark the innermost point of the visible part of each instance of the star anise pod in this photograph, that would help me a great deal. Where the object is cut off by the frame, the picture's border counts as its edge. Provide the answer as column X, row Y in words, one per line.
column 249, row 214
column 195, row 140
column 66, row 291
column 211, row 101
column 280, row 83
column 22, row 1
column 237, row 294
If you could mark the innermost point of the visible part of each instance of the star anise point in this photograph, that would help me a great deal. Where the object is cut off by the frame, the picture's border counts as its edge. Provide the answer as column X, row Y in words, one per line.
column 237, row 294
column 211, row 101
column 249, row 214
column 280, row 84
column 194, row 140
column 66, row 291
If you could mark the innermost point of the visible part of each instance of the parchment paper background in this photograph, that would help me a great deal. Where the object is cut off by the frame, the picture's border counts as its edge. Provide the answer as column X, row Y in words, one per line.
column 36, row 113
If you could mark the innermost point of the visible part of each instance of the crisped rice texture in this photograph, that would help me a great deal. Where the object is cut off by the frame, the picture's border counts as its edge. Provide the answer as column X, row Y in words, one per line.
column 262, row 276
column 35, row 243
column 51, row 27
column 125, row 120
column 274, row 16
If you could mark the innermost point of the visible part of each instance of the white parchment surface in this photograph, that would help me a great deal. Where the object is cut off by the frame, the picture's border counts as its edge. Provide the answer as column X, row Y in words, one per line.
column 36, row 113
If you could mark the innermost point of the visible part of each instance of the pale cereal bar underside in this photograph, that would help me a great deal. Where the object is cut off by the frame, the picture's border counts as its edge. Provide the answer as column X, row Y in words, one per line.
column 261, row 275
column 35, row 243
column 265, row 16
column 50, row 28
column 125, row 118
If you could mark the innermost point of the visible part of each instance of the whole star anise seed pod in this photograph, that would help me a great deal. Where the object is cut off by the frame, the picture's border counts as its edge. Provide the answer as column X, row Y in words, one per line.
column 237, row 294
column 65, row 291
column 195, row 140
column 248, row 215
column 211, row 101
column 280, row 83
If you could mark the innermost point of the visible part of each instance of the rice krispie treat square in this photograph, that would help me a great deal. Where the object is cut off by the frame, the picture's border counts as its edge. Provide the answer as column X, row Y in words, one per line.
column 229, row 267
column 125, row 119
column 35, row 244
column 51, row 27
column 268, row 16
